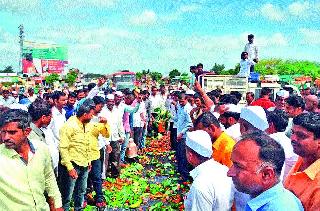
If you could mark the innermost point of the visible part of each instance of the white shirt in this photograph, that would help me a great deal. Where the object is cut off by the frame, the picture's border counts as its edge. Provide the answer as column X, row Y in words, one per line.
column 7, row 102
column 245, row 67
column 156, row 101
column 57, row 121
column 289, row 128
column 93, row 92
column 252, row 51
column 290, row 156
column 216, row 115
column 16, row 100
column 18, row 106
column 120, row 108
column 33, row 98
column 163, row 100
column 54, row 151
column 234, row 131
column 114, row 119
column 211, row 189
column 137, row 119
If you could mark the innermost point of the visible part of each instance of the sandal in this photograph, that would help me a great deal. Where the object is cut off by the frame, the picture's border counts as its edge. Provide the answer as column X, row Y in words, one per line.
column 84, row 204
column 101, row 203
column 89, row 199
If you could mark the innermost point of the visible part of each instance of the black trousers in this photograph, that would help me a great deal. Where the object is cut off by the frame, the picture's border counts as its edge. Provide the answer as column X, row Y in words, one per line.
column 173, row 136
column 113, row 169
column 251, row 68
column 183, row 167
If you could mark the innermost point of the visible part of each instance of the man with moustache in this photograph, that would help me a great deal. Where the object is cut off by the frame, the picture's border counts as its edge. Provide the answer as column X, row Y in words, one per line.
column 21, row 156
column 117, row 136
column 280, row 101
column 252, row 51
column 304, row 178
column 41, row 115
column 295, row 105
column 257, row 163
column 75, row 154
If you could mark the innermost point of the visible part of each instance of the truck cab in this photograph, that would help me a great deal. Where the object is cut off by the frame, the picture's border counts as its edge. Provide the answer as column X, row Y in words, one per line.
column 228, row 83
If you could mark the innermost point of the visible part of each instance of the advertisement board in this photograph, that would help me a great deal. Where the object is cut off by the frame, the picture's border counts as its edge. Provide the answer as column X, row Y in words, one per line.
column 53, row 66
column 9, row 79
column 43, row 58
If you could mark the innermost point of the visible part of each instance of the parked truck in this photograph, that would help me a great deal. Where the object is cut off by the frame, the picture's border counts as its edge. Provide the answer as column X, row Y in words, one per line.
column 228, row 83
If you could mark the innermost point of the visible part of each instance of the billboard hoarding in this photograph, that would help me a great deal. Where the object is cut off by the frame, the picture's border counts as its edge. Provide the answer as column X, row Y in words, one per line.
column 53, row 66
column 41, row 66
column 44, row 58
column 28, row 66
column 9, row 79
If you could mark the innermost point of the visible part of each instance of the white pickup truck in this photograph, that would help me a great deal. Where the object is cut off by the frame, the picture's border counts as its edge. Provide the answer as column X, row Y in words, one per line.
column 228, row 83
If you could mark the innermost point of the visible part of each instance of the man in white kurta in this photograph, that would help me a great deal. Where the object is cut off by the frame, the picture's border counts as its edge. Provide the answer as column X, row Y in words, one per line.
column 139, row 123
column 251, row 49
column 229, row 119
column 156, row 100
column 117, row 135
column 211, row 188
column 278, row 121
column 58, row 115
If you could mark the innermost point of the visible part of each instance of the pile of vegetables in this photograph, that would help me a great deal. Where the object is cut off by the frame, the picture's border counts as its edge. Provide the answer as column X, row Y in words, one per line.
column 159, row 146
column 151, row 184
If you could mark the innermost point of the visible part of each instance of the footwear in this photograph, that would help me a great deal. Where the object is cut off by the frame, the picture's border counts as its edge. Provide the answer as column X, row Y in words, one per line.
column 89, row 199
column 84, row 204
column 123, row 165
column 101, row 202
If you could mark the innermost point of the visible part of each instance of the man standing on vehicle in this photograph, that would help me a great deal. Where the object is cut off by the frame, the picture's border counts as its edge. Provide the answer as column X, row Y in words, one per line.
column 252, row 51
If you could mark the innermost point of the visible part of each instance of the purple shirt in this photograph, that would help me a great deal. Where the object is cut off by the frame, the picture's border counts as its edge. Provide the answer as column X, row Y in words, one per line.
column 125, row 119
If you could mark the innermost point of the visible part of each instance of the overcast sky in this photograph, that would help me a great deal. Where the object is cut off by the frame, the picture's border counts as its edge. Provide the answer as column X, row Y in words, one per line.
column 108, row 35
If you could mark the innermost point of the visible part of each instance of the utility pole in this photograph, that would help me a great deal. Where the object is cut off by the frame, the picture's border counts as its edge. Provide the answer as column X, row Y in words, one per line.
column 21, row 36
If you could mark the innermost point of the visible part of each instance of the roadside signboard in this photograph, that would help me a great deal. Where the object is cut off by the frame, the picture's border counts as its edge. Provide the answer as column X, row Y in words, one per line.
column 43, row 58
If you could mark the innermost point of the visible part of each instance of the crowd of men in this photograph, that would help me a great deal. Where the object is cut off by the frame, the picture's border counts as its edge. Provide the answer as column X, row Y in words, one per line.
column 58, row 146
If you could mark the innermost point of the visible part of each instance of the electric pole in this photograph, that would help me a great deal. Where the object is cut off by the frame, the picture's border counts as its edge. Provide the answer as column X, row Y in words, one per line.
column 21, row 36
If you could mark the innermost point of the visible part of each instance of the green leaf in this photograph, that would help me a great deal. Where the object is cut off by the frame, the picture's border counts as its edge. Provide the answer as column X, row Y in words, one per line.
column 167, row 165
column 156, row 206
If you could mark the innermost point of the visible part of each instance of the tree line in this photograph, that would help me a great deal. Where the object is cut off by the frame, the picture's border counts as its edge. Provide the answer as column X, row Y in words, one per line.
column 272, row 66
column 269, row 67
column 7, row 69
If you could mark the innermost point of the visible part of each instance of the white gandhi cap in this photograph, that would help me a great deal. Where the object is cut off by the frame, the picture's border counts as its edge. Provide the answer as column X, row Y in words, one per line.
column 256, row 116
column 200, row 142
column 110, row 97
